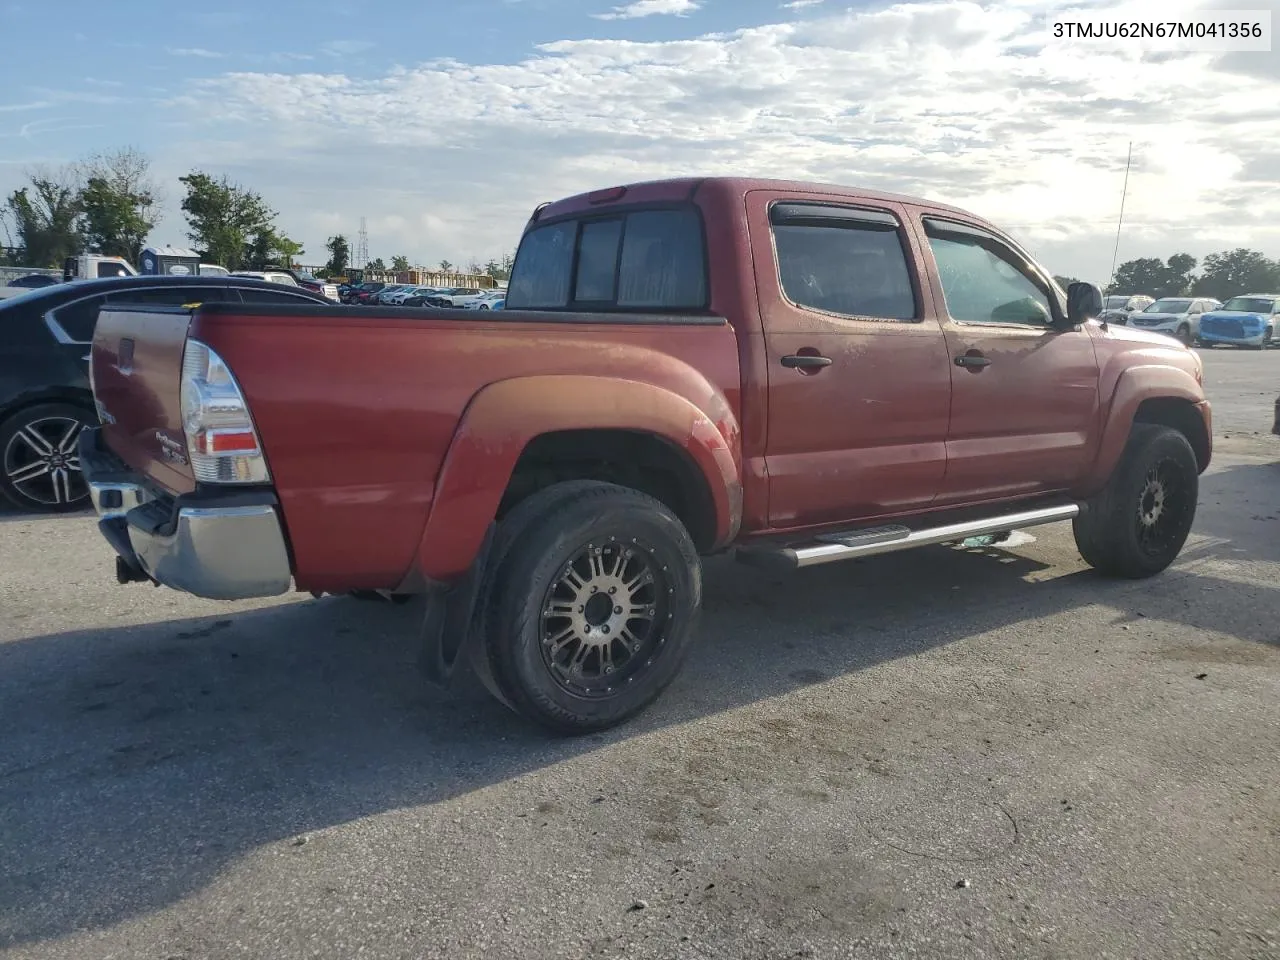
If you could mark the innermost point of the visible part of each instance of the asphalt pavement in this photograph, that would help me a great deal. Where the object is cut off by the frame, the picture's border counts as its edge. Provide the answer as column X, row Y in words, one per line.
column 945, row 753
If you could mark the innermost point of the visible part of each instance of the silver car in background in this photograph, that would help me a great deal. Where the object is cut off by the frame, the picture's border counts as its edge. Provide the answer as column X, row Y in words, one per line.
column 1177, row 316
column 1118, row 309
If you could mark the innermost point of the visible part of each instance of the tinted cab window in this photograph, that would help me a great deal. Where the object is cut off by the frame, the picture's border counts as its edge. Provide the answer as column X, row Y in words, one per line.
column 632, row 260
column 843, row 260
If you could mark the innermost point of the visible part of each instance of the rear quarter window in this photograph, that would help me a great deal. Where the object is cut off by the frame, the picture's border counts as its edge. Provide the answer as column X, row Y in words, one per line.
column 626, row 261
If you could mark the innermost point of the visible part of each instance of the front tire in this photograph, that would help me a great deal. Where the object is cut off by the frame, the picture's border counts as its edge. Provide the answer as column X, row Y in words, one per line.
column 1137, row 525
column 591, row 607
column 1184, row 334
column 40, row 458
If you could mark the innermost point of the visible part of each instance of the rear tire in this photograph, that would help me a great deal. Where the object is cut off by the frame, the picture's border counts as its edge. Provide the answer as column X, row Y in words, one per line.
column 590, row 609
column 1138, row 524
column 40, row 458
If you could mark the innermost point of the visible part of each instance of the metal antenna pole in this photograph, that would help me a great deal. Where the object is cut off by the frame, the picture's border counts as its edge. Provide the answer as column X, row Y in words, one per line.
column 1123, row 193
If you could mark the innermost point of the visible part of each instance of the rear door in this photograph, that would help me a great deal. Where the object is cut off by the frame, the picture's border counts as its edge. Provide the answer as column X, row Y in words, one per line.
column 859, row 383
column 1024, row 402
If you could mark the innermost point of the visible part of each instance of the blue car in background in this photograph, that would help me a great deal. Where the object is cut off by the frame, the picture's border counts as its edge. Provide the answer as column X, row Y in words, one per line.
column 1246, row 321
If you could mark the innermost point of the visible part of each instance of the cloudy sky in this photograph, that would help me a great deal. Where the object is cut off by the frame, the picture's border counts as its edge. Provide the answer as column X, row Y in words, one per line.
column 446, row 123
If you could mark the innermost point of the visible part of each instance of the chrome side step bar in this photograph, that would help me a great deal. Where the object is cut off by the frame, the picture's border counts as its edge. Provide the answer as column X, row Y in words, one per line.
column 830, row 548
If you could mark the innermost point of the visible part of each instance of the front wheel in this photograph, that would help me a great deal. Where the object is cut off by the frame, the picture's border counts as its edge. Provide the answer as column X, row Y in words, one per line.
column 1138, row 524
column 1184, row 334
column 40, row 458
column 591, row 607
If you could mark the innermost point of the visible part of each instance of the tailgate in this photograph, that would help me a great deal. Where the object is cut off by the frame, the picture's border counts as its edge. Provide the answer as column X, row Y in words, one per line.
column 136, row 369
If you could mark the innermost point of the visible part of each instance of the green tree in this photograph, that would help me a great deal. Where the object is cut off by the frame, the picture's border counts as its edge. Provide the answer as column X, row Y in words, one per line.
column 45, row 216
column 376, row 265
column 1178, row 275
column 1153, row 276
column 226, row 221
column 1139, row 276
column 446, row 266
column 499, row 269
column 117, row 203
column 268, row 248
column 399, row 264
column 339, row 255
column 1234, row 272
column 290, row 251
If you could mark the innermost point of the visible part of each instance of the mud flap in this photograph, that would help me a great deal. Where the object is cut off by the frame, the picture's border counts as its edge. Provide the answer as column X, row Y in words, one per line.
column 451, row 627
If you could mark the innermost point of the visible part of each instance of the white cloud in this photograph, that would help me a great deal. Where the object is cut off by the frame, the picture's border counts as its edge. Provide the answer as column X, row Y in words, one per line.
column 194, row 52
column 649, row 8
column 948, row 99
column 800, row 4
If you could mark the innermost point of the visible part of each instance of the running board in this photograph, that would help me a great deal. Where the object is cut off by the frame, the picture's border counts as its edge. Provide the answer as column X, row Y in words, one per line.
column 832, row 547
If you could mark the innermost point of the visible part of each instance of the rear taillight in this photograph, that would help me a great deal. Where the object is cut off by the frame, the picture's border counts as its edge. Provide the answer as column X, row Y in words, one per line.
column 221, row 439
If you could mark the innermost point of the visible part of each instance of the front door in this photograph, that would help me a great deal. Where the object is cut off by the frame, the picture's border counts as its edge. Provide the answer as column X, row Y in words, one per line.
column 859, row 382
column 1024, row 399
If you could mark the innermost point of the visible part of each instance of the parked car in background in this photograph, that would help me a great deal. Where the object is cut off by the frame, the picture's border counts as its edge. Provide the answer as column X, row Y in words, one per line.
column 682, row 371
column 484, row 301
column 270, row 276
column 1245, row 321
column 213, row 270
column 45, row 397
column 1177, row 316
column 420, row 297
column 402, row 297
column 32, row 281
column 385, row 295
column 323, row 287
column 453, row 297
column 363, row 293
column 1118, row 309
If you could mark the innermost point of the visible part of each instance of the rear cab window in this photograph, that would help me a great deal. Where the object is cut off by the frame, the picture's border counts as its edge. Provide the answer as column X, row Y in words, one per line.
column 620, row 260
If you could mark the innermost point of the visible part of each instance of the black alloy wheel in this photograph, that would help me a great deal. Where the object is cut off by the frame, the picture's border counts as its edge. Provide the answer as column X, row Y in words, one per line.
column 40, row 459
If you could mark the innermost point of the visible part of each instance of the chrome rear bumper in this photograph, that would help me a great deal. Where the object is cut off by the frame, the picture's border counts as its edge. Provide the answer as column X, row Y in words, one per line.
column 228, row 548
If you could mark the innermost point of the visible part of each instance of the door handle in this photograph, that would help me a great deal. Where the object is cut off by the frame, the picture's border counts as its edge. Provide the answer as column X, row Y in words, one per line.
column 805, row 362
column 972, row 362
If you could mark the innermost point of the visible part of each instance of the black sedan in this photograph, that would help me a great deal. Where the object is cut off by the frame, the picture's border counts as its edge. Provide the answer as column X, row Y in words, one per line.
column 45, row 400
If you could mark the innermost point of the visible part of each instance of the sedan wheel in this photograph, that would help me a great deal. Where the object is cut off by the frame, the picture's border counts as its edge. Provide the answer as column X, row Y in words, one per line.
column 40, row 458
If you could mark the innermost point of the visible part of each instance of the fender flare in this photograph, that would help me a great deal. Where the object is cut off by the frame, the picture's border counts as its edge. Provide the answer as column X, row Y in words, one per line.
column 504, row 417
column 1133, row 386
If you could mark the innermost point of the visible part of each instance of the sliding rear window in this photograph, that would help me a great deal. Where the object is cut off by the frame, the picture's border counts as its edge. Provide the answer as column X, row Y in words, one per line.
column 634, row 260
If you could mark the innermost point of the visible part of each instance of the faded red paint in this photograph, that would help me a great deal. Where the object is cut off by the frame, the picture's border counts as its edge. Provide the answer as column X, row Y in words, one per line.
column 391, row 435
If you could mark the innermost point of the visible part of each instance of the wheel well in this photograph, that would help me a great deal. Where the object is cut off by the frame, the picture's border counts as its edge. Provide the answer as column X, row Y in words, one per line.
column 641, row 461
column 1181, row 415
column 81, row 398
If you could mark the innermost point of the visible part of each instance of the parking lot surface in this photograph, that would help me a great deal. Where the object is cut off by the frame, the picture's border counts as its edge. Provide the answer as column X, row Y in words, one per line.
column 960, row 753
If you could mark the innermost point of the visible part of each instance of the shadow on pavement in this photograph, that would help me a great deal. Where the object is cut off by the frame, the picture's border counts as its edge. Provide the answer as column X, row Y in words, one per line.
column 137, row 763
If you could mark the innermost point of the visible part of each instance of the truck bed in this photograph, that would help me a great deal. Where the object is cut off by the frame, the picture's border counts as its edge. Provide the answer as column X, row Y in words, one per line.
column 358, row 407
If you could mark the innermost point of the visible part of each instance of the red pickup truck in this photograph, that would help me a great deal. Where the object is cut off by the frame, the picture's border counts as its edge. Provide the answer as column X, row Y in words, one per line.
column 804, row 373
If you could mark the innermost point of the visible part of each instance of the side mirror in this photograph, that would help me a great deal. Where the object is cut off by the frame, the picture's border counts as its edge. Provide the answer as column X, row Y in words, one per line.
column 1084, row 302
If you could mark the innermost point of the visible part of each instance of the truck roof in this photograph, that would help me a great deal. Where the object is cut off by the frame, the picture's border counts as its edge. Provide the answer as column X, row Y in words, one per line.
column 686, row 188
